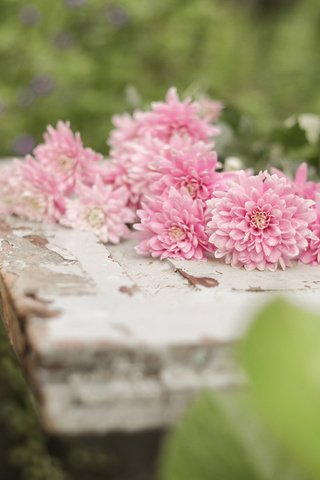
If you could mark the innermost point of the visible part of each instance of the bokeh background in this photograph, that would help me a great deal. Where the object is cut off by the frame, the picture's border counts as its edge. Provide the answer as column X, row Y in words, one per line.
column 85, row 60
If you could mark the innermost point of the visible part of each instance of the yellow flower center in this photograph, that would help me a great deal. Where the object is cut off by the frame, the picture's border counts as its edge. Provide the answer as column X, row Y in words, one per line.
column 259, row 219
column 95, row 217
column 65, row 163
column 192, row 188
column 175, row 233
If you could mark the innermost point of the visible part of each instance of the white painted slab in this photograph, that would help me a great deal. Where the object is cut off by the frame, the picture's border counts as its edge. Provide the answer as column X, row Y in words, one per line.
column 114, row 341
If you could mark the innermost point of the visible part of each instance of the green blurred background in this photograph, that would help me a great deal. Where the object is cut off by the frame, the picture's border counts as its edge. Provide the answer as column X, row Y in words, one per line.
column 85, row 60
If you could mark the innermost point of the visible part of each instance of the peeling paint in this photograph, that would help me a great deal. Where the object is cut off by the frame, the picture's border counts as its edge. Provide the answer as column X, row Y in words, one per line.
column 129, row 290
column 207, row 282
column 31, row 305
column 37, row 240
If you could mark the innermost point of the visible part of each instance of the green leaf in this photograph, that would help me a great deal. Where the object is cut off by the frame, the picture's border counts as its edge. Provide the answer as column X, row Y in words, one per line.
column 282, row 358
column 208, row 445
column 290, row 137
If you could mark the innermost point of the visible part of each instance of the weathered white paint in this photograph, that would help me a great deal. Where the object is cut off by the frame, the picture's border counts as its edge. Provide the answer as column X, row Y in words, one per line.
column 121, row 342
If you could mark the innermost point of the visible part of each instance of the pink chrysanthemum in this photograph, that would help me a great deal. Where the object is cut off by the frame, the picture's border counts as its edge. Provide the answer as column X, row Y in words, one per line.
column 178, row 118
column 311, row 255
column 164, row 120
column 64, row 156
column 301, row 185
column 210, row 109
column 128, row 128
column 132, row 165
column 101, row 209
column 259, row 222
column 37, row 196
column 191, row 167
column 172, row 227
column 8, row 194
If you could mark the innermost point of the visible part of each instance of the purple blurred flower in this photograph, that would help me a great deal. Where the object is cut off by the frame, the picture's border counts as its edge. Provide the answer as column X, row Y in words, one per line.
column 25, row 97
column 75, row 3
column 42, row 84
column 24, row 144
column 117, row 16
column 29, row 15
column 63, row 41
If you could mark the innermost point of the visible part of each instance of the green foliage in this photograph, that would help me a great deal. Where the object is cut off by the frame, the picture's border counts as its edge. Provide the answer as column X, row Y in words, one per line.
column 197, row 448
column 23, row 452
column 272, row 430
column 281, row 357
column 86, row 62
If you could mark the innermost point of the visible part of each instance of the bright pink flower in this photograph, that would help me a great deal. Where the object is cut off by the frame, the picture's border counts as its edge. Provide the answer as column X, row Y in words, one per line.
column 172, row 227
column 259, row 222
column 302, row 187
column 37, row 196
column 312, row 254
column 191, row 167
column 64, row 156
column 101, row 209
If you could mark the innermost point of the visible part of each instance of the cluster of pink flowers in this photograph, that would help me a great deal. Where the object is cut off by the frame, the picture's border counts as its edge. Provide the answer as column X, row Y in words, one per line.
column 163, row 176
column 67, row 183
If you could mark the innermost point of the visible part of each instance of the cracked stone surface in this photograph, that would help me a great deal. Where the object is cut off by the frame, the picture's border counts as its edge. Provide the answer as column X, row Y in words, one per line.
column 115, row 342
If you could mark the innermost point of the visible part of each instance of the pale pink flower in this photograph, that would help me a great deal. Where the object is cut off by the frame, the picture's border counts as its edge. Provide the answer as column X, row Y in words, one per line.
column 164, row 120
column 210, row 109
column 101, row 209
column 176, row 117
column 63, row 155
column 312, row 254
column 191, row 167
column 37, row 196
column 172, row 227
column 259, row 222
column 302, row 187
column 133, row 165
column 7, row 190
column 128, row 128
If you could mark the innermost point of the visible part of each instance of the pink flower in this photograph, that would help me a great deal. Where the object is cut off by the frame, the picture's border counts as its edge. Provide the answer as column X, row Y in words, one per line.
column 7, row 190
column 37, row 196
column 259, row 222
column 312, row 254
column 101, row 209
column 172, row 227
column 210, row 109
column 302, row 187
column 64, row 156
column 190, row 166
column 133, row 166
column 164, row 120
column 127, row 129
column 178, row 118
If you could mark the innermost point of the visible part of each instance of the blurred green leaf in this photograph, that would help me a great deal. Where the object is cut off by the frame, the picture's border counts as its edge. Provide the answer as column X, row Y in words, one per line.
column 207, row 446
column 293, row 136
column 282, row 358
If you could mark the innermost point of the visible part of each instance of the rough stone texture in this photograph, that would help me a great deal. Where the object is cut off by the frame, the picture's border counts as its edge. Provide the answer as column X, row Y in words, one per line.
column 114, row 342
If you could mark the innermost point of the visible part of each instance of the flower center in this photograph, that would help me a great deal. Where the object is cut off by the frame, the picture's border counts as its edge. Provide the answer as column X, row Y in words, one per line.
column 175, row 233
column 34, row 203
column 66, row 163
column 193, row 187
column 259, row 219
column 95, row 217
